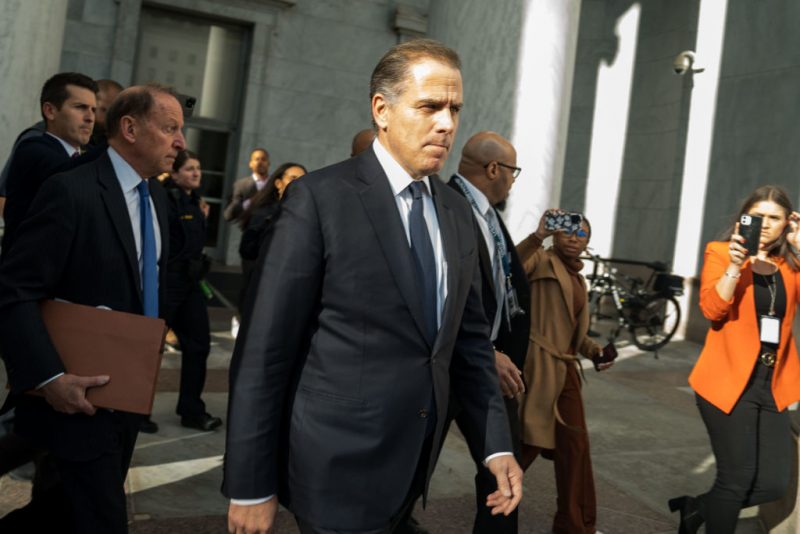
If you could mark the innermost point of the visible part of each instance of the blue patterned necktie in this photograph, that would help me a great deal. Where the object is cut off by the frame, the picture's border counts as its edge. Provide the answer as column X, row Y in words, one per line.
column 149, row 269
column 424, row 259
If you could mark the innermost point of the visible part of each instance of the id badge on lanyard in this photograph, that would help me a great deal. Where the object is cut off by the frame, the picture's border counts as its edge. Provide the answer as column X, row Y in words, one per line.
column 770, row 329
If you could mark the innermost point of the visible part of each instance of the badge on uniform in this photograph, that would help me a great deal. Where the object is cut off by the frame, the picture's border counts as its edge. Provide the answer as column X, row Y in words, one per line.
column 770, row 329
column 514, row 309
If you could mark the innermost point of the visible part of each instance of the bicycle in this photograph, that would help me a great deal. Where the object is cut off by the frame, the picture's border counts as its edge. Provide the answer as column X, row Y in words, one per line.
column 647, row 309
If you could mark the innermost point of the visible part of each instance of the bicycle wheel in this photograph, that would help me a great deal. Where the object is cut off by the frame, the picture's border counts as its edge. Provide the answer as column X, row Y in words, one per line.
column 653, row 321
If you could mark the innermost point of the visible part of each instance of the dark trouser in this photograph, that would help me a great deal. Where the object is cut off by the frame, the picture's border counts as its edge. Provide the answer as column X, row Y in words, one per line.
column 90, row 498
column 753, row 449
column 485, row 481
column 189, row 321
column 576, row 511
column 397, row 522
column 47, row 510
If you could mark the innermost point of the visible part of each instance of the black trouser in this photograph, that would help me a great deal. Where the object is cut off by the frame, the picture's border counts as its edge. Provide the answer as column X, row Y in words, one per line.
column 47, row 511
column 485, row 481
column 89, row 497
column 753, row 449
column 188, row 315
column 94, row 489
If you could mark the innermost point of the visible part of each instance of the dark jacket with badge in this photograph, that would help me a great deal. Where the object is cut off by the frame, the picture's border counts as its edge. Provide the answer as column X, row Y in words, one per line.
column 187, row 264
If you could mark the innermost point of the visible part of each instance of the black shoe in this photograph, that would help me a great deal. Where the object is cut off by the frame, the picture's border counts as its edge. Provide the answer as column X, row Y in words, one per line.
column 691, row 519
column 203, row 422
column 148, row 426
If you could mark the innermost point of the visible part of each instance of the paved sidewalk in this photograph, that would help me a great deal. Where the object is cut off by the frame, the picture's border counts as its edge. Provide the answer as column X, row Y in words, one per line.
column 648, row 444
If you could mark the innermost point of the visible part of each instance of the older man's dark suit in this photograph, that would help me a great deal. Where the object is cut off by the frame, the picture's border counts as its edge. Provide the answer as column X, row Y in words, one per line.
column 332, row 377
column 77, row 244
column 512, row 340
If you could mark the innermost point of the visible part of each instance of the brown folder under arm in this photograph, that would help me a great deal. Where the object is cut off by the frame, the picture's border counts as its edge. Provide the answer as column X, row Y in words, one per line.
column 125, row 346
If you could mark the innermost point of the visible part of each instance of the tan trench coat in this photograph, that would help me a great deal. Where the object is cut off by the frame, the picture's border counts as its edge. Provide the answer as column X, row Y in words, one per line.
column 552, row 327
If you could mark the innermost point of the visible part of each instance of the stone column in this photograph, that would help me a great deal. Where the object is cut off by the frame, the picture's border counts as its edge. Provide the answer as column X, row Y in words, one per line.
column 31, row 39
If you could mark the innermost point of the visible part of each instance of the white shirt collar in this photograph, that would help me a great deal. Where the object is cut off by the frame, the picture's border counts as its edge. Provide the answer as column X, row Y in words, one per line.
column 68, row 147
column 399, row 179
column 480, row 199
column 128, row 178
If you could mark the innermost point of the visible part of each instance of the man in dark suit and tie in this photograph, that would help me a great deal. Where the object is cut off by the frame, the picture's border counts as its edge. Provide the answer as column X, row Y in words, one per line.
column 68, row 103
column 486, row 172
column 245, row 188
column 96, row 235
column 367, row 316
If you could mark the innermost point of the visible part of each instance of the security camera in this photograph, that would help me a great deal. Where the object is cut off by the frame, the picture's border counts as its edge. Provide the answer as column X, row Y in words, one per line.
column 684, row 62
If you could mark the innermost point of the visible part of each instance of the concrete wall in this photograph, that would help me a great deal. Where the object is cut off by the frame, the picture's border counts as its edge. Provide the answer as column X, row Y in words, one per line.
column 647, row 206
column 486, row 36
column 30, row 45
column 756, row 132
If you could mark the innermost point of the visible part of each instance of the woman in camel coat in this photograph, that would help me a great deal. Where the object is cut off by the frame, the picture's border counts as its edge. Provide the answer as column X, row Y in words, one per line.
column 552, row 415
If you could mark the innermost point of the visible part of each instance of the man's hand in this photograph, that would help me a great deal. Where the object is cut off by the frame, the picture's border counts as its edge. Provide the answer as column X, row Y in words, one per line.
column 67, row 393
column 509, row 484
column 253, row 518
column 511, row 383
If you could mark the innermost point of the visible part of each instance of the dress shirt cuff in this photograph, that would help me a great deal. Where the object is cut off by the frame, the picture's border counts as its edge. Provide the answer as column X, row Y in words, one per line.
column 495, row 455
column 246, row 204
column 251, row 502
column 43, row 384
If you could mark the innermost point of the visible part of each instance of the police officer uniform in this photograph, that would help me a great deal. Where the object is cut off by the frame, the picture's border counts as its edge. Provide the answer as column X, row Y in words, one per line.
column 187, row 313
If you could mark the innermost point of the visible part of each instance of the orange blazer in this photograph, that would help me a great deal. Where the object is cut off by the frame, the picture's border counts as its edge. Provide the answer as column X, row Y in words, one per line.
column 732, row 344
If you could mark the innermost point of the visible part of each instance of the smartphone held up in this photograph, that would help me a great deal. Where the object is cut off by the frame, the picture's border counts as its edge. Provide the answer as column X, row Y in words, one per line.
column 750, row 230
column 565, row 221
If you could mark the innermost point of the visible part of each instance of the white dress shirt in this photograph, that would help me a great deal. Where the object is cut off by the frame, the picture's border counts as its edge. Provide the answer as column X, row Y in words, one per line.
column 129, row 179
column 71, row 150
column 483, row 211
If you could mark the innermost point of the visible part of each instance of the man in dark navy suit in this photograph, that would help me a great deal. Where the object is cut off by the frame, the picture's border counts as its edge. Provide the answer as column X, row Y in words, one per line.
column 68, row 103
column 96, row 235
column 367, row 315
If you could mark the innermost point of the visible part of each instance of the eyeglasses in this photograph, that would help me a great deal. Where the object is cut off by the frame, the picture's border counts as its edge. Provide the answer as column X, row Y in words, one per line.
column 514, row 170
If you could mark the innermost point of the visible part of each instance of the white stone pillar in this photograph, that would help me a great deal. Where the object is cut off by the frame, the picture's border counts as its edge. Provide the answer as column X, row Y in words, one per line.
column 544, row 89
column 31, row 38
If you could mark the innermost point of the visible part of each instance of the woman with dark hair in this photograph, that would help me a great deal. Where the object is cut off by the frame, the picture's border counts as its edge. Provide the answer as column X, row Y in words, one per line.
column 258, row 217
column 551, row 412
column 748, row 371
column 186, row 310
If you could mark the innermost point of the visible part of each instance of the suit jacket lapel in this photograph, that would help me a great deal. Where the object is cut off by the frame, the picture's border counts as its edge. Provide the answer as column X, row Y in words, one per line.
column 117, row 209
column 447, row 229
column 483, row 252
column 380, row 205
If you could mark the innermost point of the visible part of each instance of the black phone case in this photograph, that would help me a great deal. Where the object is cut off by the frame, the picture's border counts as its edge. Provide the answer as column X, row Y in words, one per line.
column 751, row 232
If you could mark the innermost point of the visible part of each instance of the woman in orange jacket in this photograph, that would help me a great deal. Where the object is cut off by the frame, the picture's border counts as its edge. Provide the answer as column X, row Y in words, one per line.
column 748, row 372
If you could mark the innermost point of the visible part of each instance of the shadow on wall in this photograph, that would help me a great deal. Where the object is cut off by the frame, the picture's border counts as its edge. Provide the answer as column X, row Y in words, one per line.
column 627, row 130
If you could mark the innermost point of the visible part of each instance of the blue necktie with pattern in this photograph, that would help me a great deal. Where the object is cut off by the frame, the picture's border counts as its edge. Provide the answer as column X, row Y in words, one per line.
column 149, row 267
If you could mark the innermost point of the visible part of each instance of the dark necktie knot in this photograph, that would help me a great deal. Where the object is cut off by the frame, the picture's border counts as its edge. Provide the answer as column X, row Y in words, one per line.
column 417, row 188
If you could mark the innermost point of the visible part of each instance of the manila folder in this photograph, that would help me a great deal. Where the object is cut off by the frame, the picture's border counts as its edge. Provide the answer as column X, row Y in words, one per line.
column 125, row 346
